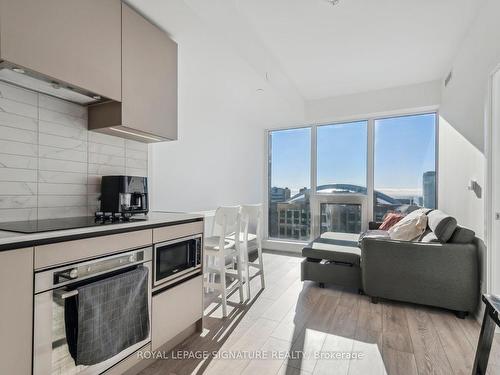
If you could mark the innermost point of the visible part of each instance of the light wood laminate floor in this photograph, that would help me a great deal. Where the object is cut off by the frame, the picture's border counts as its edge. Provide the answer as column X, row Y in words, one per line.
column 290, row 316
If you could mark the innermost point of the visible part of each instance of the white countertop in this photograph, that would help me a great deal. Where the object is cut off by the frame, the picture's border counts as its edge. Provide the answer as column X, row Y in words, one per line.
column 154, row 219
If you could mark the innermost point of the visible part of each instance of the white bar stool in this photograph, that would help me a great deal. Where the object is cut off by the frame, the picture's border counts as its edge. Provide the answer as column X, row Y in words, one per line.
column 218, row 248
column 250, row 240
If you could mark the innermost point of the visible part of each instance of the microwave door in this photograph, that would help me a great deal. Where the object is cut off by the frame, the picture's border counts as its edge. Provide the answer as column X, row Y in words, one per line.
column 173, row 259
column 170, row 260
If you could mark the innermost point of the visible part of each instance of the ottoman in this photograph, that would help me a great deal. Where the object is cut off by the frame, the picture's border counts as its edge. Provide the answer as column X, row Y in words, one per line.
column 332, row 261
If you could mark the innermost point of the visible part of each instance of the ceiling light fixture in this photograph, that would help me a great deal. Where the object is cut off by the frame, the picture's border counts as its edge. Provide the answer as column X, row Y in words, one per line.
column 39, row 83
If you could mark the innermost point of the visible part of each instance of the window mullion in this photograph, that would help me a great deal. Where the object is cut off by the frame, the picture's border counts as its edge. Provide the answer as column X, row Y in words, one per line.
column 314, row 183
column 370, row 173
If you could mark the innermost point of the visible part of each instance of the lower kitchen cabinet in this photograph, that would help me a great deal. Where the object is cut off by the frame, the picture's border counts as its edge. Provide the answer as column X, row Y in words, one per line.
column 16, row 311
column 176, row 309
column 133, row 364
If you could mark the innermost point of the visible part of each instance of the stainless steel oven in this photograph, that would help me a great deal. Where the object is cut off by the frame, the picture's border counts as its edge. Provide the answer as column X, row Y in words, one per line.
column 176, row 258
column 54, row 286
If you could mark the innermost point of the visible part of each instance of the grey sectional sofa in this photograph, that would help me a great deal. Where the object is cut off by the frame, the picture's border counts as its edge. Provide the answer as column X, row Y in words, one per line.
column 440, row 269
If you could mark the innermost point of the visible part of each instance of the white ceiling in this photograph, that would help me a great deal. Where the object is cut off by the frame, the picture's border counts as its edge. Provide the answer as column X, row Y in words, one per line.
column 325, row 50
column 360, row 45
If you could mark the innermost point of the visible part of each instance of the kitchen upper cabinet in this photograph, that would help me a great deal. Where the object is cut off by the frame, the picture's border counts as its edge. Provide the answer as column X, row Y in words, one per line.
column 73, row 41
column 148, row 109
column 149, row 72
column 16, row 311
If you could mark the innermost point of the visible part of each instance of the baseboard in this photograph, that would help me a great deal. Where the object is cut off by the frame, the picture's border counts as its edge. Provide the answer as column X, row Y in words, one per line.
column 295, row 254
column 284, row 246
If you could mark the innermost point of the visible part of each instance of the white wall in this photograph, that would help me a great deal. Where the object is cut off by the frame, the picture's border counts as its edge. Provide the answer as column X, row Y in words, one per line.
column 463, row 109
column 219, row 157
column 463, row 100
column 459, row 163
column 397, row 99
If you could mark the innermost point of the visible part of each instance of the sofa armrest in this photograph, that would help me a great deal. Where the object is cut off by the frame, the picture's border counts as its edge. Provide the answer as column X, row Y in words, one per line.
column 445, row 275
column 373, row 225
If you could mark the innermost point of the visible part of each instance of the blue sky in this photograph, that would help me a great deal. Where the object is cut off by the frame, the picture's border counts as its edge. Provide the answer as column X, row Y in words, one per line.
column 404, row 150
column 342, row 154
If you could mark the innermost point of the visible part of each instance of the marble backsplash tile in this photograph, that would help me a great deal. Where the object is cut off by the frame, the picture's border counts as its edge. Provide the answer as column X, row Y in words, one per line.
column 50, row 164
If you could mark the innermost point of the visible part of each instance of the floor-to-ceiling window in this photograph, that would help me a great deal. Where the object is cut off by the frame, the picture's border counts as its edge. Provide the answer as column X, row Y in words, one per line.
column 341, row 170
column 405, row 163
column 289, row 183
column 337, row 177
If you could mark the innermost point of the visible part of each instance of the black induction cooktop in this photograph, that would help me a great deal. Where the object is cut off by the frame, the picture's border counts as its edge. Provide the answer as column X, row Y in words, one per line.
column 47, row 225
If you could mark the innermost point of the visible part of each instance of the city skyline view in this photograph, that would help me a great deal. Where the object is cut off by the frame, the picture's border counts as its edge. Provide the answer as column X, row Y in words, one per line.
column 404, row 150
column 404, row 173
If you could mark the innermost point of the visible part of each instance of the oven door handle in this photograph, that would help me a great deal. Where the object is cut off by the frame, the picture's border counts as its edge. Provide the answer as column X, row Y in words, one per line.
column 63, row 294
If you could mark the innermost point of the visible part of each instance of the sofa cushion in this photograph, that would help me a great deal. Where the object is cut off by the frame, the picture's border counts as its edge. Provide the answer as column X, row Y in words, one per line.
column 374, row 233
column 410, row 227
column 441, row 224
column 333, row 250
column 462, row 235
column 428, row 236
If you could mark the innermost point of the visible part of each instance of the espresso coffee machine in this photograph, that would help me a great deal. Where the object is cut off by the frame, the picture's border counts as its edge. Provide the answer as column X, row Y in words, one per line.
column 124, row 196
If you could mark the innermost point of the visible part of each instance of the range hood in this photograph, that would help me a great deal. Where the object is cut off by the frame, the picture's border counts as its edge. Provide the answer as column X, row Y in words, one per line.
column 37, row 82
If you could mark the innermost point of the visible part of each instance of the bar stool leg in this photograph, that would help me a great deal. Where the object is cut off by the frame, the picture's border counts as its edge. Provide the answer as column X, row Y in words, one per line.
column 223, row 290
column 207, row 274
column 261, row 267
column 484, row 345
column 240, row 276
column 247, row 273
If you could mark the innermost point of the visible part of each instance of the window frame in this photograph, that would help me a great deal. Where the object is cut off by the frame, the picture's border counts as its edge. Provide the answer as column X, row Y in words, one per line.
column 315, row 192
column 267, row 179
column 370, row 165
column 436, row 156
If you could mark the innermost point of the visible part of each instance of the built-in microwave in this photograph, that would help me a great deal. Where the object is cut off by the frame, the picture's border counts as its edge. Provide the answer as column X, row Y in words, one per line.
column 176, row 258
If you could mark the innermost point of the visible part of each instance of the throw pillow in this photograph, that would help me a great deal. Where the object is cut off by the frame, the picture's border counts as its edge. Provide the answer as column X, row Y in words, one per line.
column 390, row 220
column 428, row 236
column 462, row 235
column 410, row 227
column 442, row 225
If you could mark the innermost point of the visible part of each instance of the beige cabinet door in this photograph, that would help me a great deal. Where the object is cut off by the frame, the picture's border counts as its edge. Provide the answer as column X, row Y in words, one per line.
column 74, row 41
column 16, row 311
column 175, row 309
column 149, row 77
